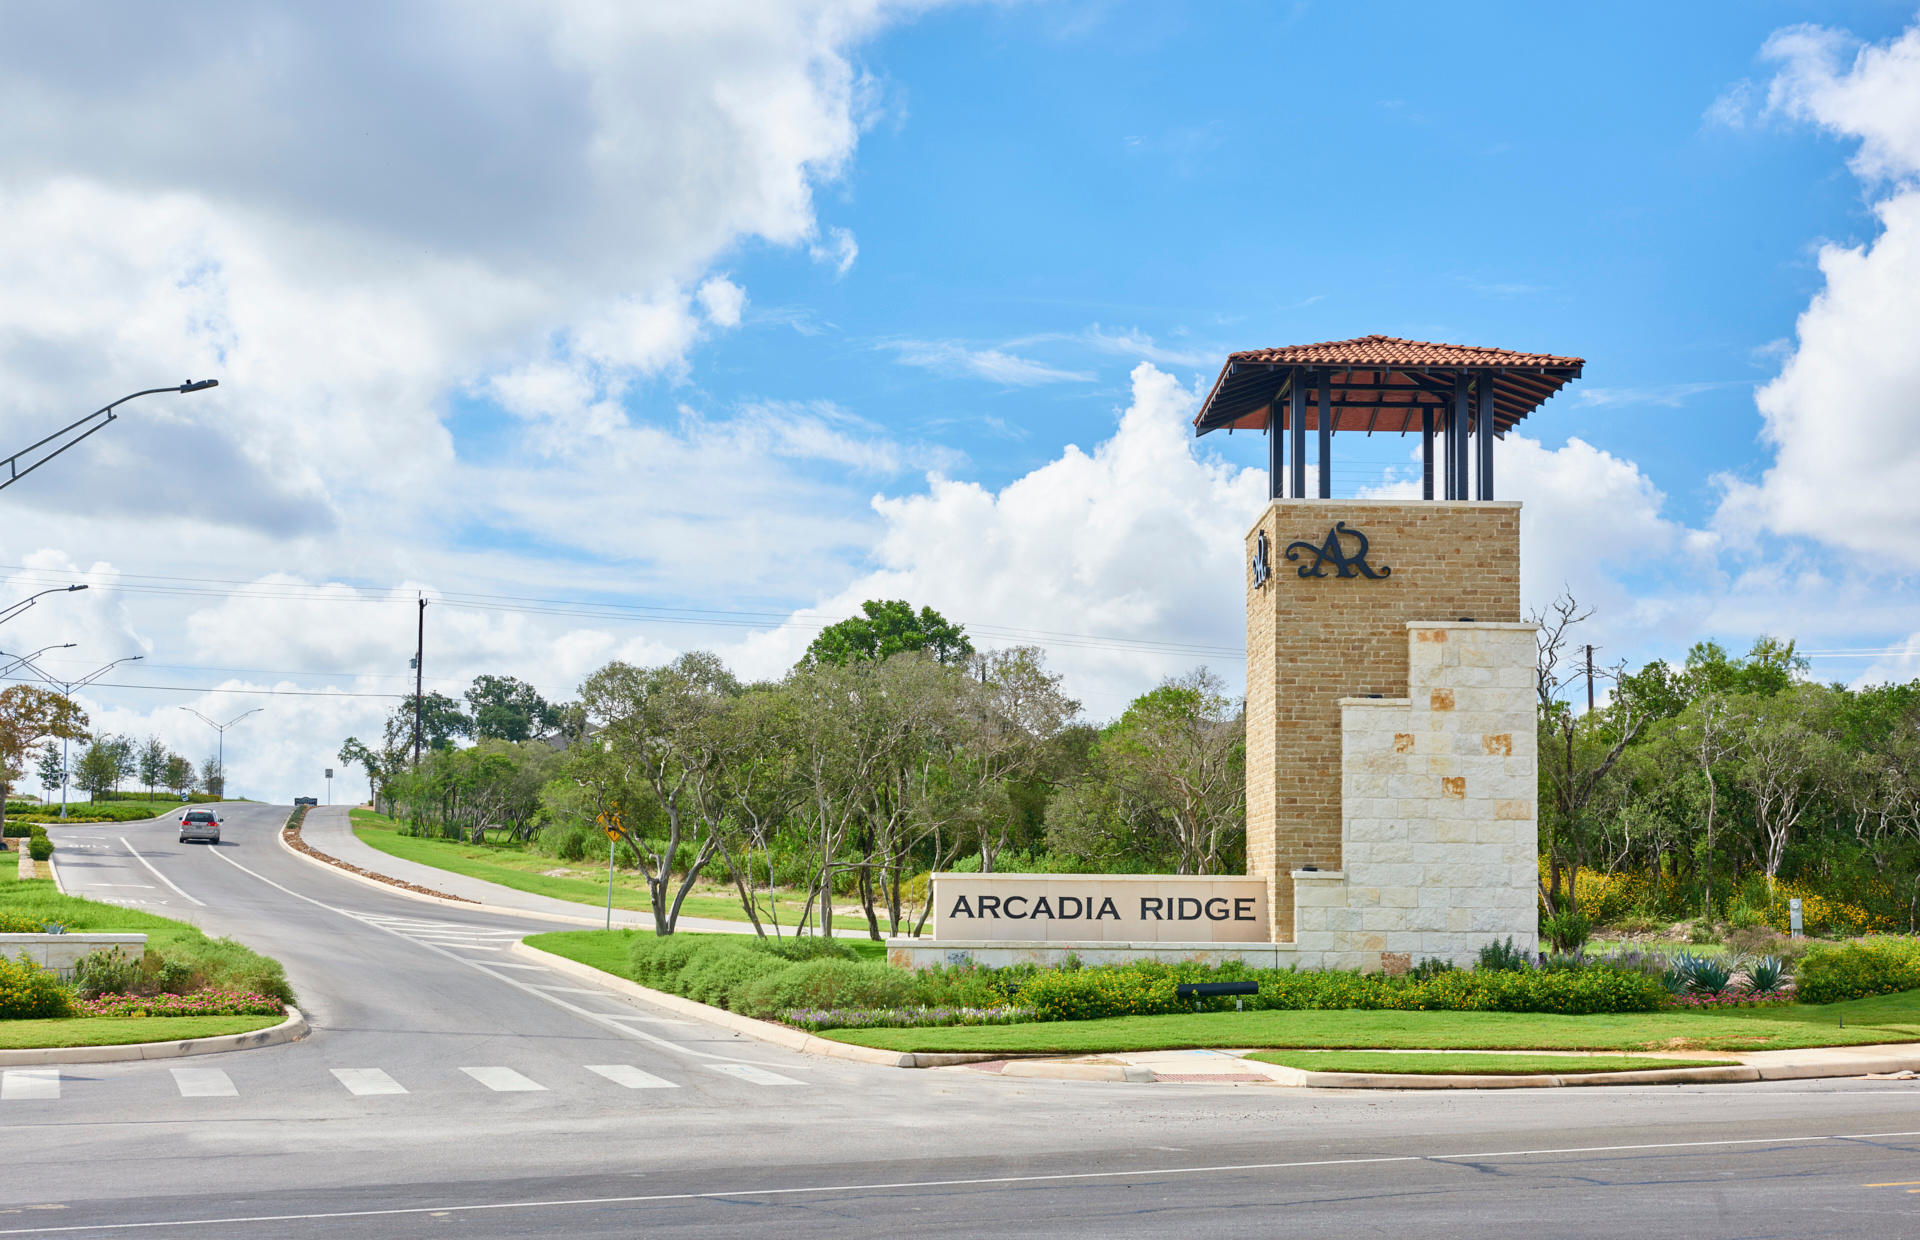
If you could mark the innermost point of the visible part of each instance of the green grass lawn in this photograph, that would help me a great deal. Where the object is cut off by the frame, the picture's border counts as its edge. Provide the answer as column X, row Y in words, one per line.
column 606, row 950
column 121, row 1030
column 1471, row 1065
column 224, row 962
column 515, row 867
column 1886, row 1018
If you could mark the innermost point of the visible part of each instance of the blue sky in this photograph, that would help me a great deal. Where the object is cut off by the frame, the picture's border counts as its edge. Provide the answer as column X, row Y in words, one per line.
column 756, row 309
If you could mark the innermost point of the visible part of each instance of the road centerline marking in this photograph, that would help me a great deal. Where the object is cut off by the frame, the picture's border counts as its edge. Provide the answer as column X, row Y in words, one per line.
column 1060, row 1177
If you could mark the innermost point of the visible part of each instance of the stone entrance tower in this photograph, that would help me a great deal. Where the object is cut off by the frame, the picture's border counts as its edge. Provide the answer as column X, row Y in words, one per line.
column 1391, row 767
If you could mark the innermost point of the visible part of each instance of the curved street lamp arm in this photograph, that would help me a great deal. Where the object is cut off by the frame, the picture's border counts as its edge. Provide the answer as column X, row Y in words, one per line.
column 237, row 718
column 20, row 660
column 99, row 417
column 102, row 670
column 10, row 612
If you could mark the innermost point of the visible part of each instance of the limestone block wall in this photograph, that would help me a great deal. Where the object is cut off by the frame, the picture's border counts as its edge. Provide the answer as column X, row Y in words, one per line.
column 1312, row 641
column 1438, row 795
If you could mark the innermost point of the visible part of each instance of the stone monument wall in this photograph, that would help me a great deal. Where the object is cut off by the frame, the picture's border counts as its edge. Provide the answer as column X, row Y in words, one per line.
column 1313, row 641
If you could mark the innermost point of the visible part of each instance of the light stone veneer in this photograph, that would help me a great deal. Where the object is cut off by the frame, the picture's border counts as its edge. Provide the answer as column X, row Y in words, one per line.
column 1437, row 827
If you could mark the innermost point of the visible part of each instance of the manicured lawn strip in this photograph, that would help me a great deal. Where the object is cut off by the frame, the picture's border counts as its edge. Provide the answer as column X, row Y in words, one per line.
column 112, row 811
column 121, row 1030
column 521, row 870
column 1471, row 1065
column 606, row 950
column 1886, row 1018
column 232, row 961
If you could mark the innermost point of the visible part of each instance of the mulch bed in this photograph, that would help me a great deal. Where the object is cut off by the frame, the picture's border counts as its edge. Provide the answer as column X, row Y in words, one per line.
column 291, row 833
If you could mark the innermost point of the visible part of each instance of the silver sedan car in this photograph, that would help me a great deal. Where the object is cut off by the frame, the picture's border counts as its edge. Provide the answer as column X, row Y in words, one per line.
column 200, row 824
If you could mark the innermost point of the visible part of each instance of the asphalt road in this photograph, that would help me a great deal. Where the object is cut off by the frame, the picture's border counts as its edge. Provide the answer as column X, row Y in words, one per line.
column 443, row 1091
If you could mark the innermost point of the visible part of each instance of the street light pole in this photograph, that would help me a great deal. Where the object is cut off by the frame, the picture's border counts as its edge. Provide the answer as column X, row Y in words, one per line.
column 99, row 419
column 66, row 688
column 10, row 612
column 220, row 761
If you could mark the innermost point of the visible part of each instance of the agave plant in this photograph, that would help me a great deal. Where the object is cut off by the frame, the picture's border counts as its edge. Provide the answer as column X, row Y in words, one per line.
column 1764, row 974
column 1703, row 975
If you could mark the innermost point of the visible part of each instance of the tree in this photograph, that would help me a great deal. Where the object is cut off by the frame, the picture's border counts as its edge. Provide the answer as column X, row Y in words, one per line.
column 657, row 740
column 179, row 774
column 52, row 770
column 153, row 763
column 213, row 780
column 1782, row 757
column 441, row 720
column 509, row 710
column 1577, row 752
column 1171, row 769
column 126, row 759
column 29, row 715
column 887, row 628
column 354, row 752
column 97, row 768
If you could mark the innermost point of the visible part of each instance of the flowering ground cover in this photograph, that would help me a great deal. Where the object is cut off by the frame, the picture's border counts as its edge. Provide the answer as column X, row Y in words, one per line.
column 199, row 1003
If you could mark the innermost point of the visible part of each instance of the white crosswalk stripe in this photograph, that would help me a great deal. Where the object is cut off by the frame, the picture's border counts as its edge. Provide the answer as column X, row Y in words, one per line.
column 366, row 1081
column 26, row 1084
column 749, row 1072
column 203, row 1083
column 630, row 1076
column 502, row 1080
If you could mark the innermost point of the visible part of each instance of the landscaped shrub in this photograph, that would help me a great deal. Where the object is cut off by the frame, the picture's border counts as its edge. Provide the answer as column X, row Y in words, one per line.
column 715, row 976
column 903, row 1018
column 830, row 983
column 1502, row 955
column 1764, row 974
column 29, row 992
column 20, row 923
column 1567, row 930
column 807, row 947
column 1088, row 994
column 40, row 848
column 1857, row 970
column 657, row 962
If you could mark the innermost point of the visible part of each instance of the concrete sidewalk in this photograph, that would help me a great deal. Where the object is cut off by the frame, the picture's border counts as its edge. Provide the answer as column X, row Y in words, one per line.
column 328, row 829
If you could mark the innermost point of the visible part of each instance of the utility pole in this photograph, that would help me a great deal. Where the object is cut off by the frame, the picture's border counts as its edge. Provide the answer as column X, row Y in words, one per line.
column 1589, row 680
column 419, row 657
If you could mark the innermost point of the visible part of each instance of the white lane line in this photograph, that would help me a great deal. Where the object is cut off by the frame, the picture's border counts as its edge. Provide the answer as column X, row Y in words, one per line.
column 650, row 1020
column 29, row 1084
column 157, row 874
column 365, row 1081
column 569, row 990
column 1057, row 1177
column 203, row 1083
column 488, row 967
column 503, row 1080
column 756, row 1075
column 630, row 1076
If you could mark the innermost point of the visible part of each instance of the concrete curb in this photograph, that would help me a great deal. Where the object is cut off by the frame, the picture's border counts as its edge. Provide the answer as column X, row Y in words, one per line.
column 592, row 923
column 288, row 1030
column 793, row 1039
column 1408, row 1080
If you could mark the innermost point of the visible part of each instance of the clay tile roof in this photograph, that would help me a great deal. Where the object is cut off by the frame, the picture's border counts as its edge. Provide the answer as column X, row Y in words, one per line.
column 1393, row 351
column 1377, row 383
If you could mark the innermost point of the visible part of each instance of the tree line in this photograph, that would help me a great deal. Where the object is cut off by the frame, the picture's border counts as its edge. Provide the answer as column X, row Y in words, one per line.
column 892, row 749
column 1716, row 779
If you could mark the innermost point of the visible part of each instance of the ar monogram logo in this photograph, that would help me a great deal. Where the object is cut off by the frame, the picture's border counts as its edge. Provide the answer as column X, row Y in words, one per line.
column 1261, row 568
column 1333, row 552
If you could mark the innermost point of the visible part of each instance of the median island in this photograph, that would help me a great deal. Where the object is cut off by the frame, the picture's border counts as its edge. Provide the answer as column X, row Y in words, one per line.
column 182, row 985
